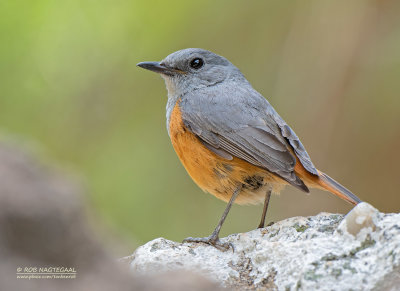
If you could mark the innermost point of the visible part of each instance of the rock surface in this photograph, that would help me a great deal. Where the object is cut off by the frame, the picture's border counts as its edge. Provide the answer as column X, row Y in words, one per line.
column 360, row 251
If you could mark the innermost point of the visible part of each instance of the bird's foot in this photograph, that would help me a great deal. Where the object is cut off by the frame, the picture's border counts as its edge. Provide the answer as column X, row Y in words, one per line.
column 269, row 224
column 212, row 240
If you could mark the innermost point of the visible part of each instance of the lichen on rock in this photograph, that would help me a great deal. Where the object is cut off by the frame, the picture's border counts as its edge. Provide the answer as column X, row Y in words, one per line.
column 360, row 251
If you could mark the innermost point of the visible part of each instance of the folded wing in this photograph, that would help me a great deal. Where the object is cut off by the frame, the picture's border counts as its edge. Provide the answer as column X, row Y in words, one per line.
column 241, row 123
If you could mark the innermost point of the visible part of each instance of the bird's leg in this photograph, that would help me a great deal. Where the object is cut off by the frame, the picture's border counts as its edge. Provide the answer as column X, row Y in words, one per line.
column 266, row 202
column 213, row 239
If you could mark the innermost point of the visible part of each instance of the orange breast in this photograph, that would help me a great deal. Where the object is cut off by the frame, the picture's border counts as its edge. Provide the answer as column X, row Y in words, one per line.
column 215, row 174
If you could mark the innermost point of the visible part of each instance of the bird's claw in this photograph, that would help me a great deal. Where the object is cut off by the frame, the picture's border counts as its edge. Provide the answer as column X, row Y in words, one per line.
column 210, row 240
column 260, row 226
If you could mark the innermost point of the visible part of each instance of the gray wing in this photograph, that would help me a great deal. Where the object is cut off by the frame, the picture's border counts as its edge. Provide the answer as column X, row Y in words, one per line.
column 243, row 124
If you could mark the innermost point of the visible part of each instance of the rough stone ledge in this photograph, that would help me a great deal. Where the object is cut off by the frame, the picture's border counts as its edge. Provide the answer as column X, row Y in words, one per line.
column 360, row 251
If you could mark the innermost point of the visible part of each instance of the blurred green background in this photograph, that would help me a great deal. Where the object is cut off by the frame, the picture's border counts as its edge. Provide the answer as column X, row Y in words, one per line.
column 69, row 82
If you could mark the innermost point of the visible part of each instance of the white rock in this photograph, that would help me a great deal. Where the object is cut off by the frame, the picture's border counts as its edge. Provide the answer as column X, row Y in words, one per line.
column 300, row 253
column 357, row 220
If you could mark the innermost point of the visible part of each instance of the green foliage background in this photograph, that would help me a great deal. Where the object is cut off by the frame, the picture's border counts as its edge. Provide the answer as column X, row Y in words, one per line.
column 69, row 82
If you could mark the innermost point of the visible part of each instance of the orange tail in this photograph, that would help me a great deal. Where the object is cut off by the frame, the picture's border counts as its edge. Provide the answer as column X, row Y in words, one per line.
column 324, row 182
column 334, row 187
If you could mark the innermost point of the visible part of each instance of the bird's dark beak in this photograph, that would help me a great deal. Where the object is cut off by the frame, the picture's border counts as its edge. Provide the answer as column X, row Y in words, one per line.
column 159, row 68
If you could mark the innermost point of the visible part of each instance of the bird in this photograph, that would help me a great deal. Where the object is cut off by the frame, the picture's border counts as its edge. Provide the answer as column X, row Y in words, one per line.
column 230, row 139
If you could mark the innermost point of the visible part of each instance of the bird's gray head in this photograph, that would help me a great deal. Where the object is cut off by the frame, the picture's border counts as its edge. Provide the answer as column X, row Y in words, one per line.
column 192, row 69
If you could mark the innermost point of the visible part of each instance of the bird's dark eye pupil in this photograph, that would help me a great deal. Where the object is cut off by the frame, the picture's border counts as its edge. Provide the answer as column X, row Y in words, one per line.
column 196, row 63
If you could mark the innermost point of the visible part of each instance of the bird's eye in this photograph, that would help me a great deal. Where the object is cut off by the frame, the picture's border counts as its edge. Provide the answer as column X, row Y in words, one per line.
column 196, row 63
